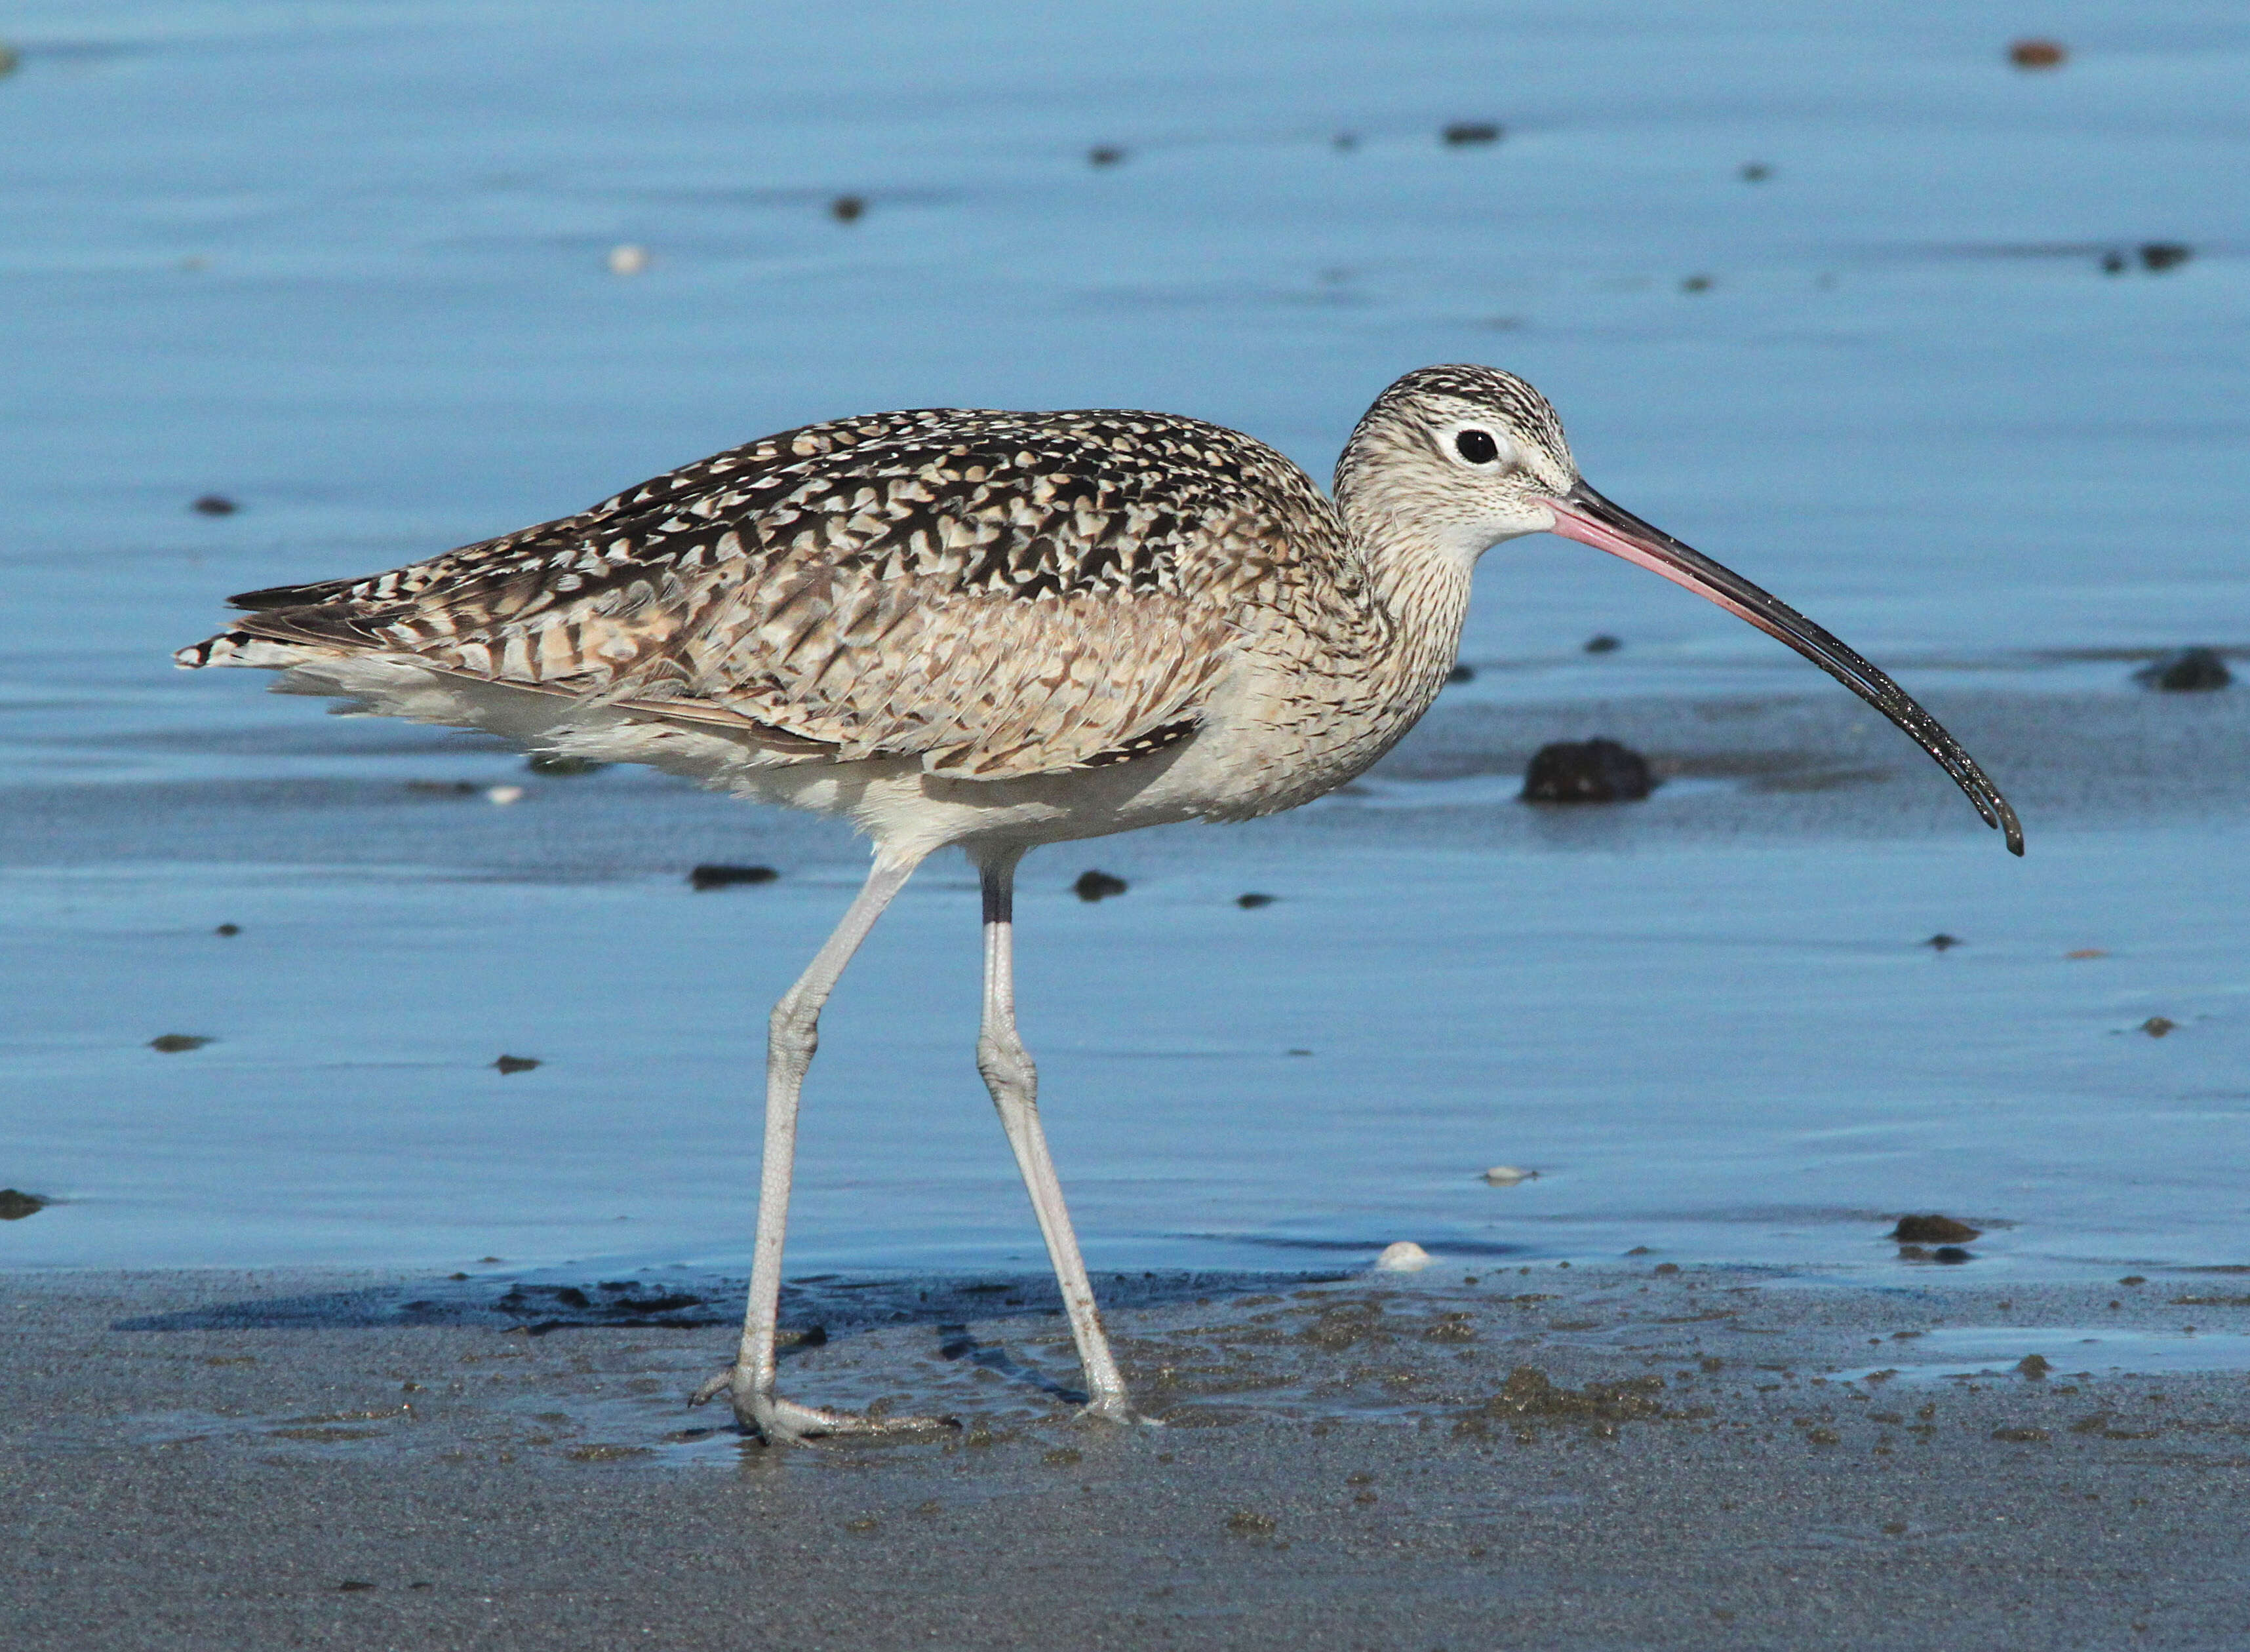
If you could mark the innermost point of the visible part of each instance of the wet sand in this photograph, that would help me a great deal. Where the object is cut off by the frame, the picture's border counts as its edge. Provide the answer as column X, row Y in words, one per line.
column 1353, row 1464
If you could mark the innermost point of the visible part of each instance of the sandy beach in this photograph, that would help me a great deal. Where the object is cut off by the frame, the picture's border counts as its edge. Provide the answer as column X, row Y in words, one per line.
column 1690, row 1463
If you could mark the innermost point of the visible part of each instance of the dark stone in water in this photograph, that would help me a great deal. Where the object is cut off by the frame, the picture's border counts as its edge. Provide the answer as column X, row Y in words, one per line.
column 847, row 209
column 1461, row 673
column 1251, row 902
column 1951, row 1254
column 15, row 1206
column 228, row 928
column 719, row 877
column 508, row 1064
column 2158, row 256
column 1461, row 134
column 1933, row 1230
column 2112, row 263
column 174, row 1043
column 214, row 505
column 1591, row 772
column 1757, row 172
column 555, row 763
column 1942, row 942
column 2189, row 671
column 1098, row 885
column 1104, row 155
column 2039, row 54
column 1604, row 643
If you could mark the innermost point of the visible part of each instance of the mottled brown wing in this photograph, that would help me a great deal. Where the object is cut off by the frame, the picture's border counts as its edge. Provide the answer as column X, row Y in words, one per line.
column 997, row 594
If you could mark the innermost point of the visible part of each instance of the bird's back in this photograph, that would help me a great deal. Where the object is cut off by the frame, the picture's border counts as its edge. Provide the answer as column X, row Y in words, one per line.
column 995, row 594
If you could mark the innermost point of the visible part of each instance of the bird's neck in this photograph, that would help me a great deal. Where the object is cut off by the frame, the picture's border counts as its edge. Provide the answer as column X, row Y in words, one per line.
column 1419, row 578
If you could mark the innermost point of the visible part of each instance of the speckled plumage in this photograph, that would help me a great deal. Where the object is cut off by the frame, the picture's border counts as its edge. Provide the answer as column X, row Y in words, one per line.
column 994, row 594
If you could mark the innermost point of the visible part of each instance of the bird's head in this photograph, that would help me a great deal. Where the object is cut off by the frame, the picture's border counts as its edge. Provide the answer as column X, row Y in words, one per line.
column 1452, row 461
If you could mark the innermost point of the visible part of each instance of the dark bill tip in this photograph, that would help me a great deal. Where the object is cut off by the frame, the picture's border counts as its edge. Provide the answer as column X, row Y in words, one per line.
column 1584, row 516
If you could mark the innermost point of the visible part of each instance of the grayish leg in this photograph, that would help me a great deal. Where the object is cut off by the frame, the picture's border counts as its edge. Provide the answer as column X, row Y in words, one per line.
column 1014, row 1083
column 793, row 1037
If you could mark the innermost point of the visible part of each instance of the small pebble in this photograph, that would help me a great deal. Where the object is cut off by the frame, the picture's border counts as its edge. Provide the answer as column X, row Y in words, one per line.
column 1461, row 134
column 1405, row 1257
column 2160, row 256
column 2039, row 54
column 214, row 505
column 2034, row 1368
column 720, row 877
column 1098, row 885
column 1942, row 942
column 173, row 1043
column 1697, row 284
column 1951, row 1254
column 1509, row 1175
column 8, row 59
column 1588, row 772
column 503, row 795
column 628, row 258
column 1346, row 141
column 1251, row 902
column 508, row 1064
column 1104, row 155
column 2157, row 1025
column 847, row 209
column 2087, row 953
column 16, row 1205
column 228, row 928
column 2189, row 671
column 1757, row 172
column 1603, row 643
column 1933, row 1230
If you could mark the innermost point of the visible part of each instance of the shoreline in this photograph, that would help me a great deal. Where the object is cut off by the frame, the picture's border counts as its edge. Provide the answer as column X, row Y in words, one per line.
column 1358, row 1462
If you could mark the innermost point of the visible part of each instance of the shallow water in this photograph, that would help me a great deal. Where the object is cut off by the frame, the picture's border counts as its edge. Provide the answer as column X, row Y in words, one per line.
column 346, row 264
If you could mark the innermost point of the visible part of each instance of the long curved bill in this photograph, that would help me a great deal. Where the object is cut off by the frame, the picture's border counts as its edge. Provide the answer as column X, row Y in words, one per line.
column 1584, row 516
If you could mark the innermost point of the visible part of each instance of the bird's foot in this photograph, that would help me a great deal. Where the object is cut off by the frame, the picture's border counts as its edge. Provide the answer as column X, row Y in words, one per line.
column 779, row 1421
column 1118, row 1409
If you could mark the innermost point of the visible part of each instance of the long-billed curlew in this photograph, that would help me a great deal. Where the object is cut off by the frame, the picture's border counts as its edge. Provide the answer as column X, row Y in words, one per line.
column 994, row 630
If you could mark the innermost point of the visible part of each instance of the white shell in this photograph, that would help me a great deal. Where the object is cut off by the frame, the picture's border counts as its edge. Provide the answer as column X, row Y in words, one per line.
column 628, row 259
column 1405, row 1257
column 1507, row 1175
column 503, row 794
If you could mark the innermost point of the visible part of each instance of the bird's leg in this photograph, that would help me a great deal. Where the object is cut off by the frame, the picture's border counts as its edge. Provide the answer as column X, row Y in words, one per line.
column 1014, row 1083
column 791, row 1040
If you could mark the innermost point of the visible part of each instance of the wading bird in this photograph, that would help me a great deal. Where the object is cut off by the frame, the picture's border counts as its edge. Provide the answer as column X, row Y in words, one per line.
column 993, row 630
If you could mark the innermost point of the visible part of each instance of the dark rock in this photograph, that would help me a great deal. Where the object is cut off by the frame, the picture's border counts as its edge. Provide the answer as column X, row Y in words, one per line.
column 2160, row 256
column 1951, row 1254
column 1461, row 673
column 1912, row 1254
column 1603, row 643
column 2112, row 263
column 508, row 1064
column 1757, row 172
column 2039, row 54
column 2034, row 1368
column 1942, row 942
column 1346, row 140
column 15, row 1206
column 2189, row 671
column 555, row 763
column 214, row 505
column 443, row 788
column 1589, row 771
column 1933, row 1230
column 173, row 1043
column 719, row 877
column 2157, row 1025
column 1098, row 885
column 1461, row 134
column 1104, row 155
column 1251, row 902
column 847, row 209
column 228, row 928
column 1697, row 284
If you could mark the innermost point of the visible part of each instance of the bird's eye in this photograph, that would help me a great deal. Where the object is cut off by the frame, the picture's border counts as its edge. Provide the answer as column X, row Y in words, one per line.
column 1477, row 446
